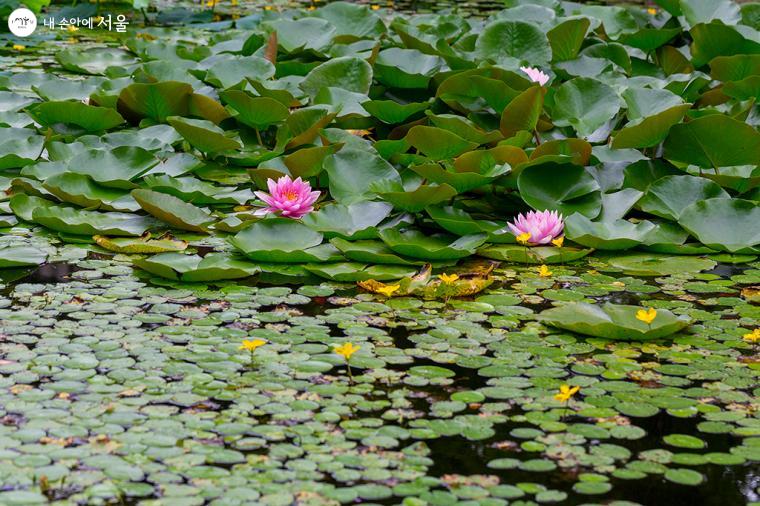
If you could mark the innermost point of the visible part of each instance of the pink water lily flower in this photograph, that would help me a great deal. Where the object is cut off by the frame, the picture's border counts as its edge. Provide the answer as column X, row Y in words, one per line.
column 535, row 75
column 543, row 226
column 290, row 198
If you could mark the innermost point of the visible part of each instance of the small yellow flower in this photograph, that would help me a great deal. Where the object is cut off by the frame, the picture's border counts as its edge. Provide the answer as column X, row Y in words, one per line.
column 18, row 47
column 267, row 7
column 566, row 393
column 388, row 290
column 753, row 336
column 375, row 7
column 72, row 28
column 233, row 2
column 346, row 350
column 647, row 316
column 652, row 11
column 311, row 8
column 211, row 3
column 523, row 238
column 448, row 278
column 251, row 345
column 544, row 271
column 559, row 241
column 98, row 19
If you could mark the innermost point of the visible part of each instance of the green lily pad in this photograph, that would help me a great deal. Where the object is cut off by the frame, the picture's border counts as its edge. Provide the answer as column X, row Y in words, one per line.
column 612, row 321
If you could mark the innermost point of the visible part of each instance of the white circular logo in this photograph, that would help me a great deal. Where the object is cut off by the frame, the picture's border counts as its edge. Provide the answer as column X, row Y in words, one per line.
column 22, row 22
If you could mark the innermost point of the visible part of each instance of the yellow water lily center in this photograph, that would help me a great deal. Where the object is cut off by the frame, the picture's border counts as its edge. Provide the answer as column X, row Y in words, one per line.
column 346, row 350
column 566, row 392
column 646, row 315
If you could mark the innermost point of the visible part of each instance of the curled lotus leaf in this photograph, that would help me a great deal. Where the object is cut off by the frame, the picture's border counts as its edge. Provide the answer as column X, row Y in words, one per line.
column 145, row 244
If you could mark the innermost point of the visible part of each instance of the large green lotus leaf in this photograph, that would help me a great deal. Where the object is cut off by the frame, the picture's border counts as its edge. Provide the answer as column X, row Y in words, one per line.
column 612, row 321
column 94, row 60
column 616, row 20
column 615, row 205
column 578, row 149
column 405, row 68
column 649, row 39
column 567, row 37
column 229, row 70
column 305, row 123
column 724, row 224
column 391, row 112
column 371, row 252
column 82, row 222
column 14, row 102
column 459, row 222
column 24, row 205
column 741, row 178
column 16, row 152
column 347, row 72
column 523, row 111
column 651, row 130
column 533, row 255
column 437, row 143
column 464, row 128
column 460, row 181
column 650, row 264
column 715, row 39
column 354, row 221
column 352, row 272
column 347, row 105
column 355, row 172
column 713, row 141
column 420, row 198
column 88, row 117
column 83, row 191
column 510, row 43
column 735, row 68
column 645, row 102
column 115, row 168
column 152, row 138
column 565, row 188
column 670, row 238
column 669, row 196
column 156, row 101
column 585, row 104
column 478, row 89
column 304, row 163
column 416, row 244
column 256, row 112
column 352, row 19
column 195, row 191
column 203, row 135
column 705, row 11
column 639, row 175
column 281, row 240
column 606, row 235
column 21, row 256
column 140, row 245
column 303, row 34
column 174, row 211
column 193, row 268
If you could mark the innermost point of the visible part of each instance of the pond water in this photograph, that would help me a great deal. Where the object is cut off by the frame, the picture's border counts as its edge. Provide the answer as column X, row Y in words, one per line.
column 122, row 388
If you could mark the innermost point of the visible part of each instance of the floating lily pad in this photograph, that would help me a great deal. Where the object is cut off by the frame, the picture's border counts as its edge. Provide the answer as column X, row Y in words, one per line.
column 612, row 321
